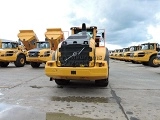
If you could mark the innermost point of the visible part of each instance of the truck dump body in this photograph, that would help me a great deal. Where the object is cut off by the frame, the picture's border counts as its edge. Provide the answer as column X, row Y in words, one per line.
column 28, row 38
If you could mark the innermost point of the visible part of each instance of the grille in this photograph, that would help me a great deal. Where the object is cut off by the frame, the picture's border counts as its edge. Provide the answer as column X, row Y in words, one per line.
column 75, row 55
column 9, row 53
column 128, row 54
column 132, row 54
column 141, row 54
column 33, row 54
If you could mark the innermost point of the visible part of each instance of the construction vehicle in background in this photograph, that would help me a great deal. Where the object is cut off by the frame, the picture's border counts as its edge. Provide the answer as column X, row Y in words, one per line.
column 147, row 55
column 119, row 55
column 132, row 50
column 43, row 51
column 80, row 57
column 115, row 53
column 126, row 54
column 111, row 54
column 12, row 51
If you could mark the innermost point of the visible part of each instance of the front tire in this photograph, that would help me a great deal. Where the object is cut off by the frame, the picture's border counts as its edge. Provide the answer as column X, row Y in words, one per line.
column 152, row 62
column 20, row 61
column 35, row 64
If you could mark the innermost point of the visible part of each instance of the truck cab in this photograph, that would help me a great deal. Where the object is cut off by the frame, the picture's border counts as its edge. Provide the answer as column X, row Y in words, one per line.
column 147, row 55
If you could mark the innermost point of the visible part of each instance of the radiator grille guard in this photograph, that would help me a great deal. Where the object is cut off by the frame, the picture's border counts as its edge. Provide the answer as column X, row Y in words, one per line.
column 75, row 55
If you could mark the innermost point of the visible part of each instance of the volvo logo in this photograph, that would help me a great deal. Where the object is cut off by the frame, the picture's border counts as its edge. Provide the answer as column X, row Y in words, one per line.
column 75, row 54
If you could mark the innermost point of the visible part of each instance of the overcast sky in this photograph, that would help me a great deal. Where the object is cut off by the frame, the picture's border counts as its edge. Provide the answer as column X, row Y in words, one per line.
column 127, row 22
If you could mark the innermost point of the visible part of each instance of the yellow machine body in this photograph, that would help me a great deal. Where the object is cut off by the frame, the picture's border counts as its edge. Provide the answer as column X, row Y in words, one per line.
column 11, row 51
column 80, row 57
column 147, row 55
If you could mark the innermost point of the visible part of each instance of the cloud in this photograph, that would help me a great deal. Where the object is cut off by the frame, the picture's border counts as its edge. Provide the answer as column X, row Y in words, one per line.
column 125, row 21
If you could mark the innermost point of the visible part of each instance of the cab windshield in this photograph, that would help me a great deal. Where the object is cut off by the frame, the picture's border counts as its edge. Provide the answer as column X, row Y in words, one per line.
column 9, row 45
column 43, row 45
column 147, row 46
column 132, row 49
column 125, row 50
column 90, row 34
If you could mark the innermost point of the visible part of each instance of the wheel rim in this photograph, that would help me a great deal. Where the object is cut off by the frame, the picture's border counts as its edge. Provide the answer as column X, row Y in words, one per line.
column 22, row 61
column 154, row 62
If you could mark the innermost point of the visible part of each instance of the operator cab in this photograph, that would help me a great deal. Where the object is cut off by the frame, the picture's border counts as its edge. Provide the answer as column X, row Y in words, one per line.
column 44, row 45
column 9, row 45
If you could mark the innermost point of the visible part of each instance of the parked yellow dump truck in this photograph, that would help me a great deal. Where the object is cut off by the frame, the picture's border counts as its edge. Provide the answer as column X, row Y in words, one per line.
column 10, row 51
column 147, row 55
column 132, row 50
column 80, row 57
column 43, row 51
column 119, row 54
column 115, row 54
column 126, row 54
column 111, row 54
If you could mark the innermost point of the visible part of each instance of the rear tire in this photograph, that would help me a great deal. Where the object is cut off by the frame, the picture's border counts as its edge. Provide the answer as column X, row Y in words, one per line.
column 35, row 64
column 4, row 64
column 20, row 61
column 62, row 81
column 102, row 83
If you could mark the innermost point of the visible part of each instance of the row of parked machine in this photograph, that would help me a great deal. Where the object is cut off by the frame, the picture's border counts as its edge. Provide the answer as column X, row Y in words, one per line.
column 147, row 54
column 29, row 49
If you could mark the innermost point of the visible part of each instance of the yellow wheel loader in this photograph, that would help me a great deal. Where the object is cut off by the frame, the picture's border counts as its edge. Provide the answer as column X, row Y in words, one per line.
column 147, row 55
column 80, row 57
column 42, row 52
